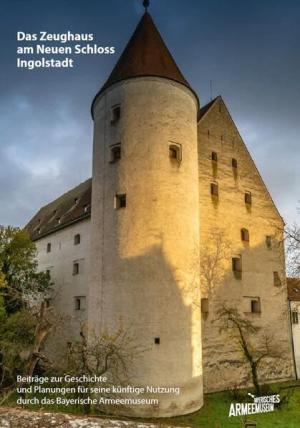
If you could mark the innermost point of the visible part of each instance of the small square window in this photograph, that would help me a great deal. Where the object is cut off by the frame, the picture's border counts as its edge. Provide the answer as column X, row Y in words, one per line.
column 248, row 198
column 75, row 268
column 245, row 235
column 115, row 153
column 175, row 152
column 214, row 189
column 120, row 201
column 49, row 247
column 276, row 279
column 255, row 306
column 269, row 241
column 77, row 239
column 115, row 114
column 157, row 340
column 80, row 303
column 214, row 156
column 234, row 163
column 295, row 318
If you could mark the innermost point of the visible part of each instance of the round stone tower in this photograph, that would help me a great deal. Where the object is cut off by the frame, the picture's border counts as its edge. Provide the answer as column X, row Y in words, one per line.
column 145, row 224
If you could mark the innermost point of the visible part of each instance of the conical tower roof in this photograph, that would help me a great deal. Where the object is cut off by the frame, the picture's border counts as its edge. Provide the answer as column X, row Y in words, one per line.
column 145, row 55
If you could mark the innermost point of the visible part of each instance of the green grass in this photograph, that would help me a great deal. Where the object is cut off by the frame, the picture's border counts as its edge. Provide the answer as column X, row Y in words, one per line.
column 214, row 413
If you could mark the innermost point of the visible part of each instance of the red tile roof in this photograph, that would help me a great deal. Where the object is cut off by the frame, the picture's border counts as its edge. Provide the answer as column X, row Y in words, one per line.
column 69, row 208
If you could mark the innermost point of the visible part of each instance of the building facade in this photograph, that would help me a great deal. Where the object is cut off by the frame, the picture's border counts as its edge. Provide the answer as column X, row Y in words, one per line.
column 293, row 285
column 175, row 222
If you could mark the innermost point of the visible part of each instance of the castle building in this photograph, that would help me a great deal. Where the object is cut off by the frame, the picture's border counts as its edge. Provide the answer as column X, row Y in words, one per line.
column 175, row 222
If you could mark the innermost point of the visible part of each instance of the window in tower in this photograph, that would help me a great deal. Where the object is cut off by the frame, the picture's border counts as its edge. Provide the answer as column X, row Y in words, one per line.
column 157, row 340
column 115, row 114
column 248, row 198
column 214, row 189
column 245, row 235
column 120, row 201
column 79, row 303
column 234, row 163
column 115, row 153
column 175, row 152
column 49, row 247
column 214, row 156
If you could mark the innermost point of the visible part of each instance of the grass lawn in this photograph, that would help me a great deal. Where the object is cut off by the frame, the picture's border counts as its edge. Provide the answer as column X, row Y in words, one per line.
column 214, row 413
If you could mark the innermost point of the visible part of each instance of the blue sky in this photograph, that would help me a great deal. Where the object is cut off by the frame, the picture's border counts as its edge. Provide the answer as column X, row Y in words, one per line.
column 249, row 49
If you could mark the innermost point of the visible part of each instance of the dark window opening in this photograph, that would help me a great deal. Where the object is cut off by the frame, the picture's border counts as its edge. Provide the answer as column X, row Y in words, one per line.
column 120, row 201
column 276, row 279
column 237, row 265
column 248, row 198
column 77, row 303
column 214, row 156
column 115, row 153
column 295, row 318
column 255, row 306
column 269, row 241
column 175, row 152
column 157, row 340
column 75, row 268
column 214, row 189
column 77, row 239
column 49, row 247
column 245, row 235
column 234, row 163
column 115, row 114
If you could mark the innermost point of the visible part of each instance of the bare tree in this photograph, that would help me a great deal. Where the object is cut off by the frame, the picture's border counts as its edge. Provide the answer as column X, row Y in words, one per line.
column 254, row 346
column 214, row 257
column 292, row 246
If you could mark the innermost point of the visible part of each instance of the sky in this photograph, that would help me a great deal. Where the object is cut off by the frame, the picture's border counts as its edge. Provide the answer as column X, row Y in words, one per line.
column 248, row 49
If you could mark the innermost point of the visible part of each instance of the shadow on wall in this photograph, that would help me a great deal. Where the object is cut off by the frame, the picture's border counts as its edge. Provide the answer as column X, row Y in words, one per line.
column 255, row 288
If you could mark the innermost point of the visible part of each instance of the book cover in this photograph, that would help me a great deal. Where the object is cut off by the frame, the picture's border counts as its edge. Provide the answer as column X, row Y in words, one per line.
column 149, row 246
